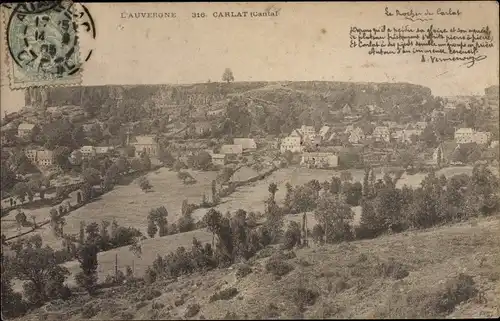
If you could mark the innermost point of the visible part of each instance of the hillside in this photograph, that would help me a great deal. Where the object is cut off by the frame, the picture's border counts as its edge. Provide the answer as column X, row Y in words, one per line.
column 413, row 274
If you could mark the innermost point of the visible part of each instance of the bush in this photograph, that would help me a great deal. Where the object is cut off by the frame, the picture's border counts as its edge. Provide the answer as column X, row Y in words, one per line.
column 230, row 316
column 157, row 305
column 180, row 301
column 226, row 294
column 304, row 297
column 89, row 311
column 151, row 294
column 392, row 269
column 243, row 270
column 192, row 310
column 456, row 290
column 278, row 267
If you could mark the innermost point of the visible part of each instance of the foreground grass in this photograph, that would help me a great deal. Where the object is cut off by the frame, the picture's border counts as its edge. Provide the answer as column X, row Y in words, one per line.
column 451, row 271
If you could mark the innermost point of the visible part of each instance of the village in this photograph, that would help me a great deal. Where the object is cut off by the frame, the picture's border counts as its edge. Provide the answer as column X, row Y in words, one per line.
column 346, row 144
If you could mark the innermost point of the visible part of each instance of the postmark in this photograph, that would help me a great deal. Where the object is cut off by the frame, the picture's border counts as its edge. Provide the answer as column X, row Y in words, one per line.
column 43, row 43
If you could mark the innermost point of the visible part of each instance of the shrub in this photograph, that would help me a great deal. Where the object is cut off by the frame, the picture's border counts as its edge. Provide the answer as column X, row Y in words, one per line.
column 127, row 315
column 226, row 294
column 304, row 297
column 457, row 290
column 192, row 310
column 230, row 316
column 157, row 305
column 151, row 294
column 392, row 269
column 150, row 276
column 243, row 270
column 89, row 311
column 180, row 301
column 278, row 267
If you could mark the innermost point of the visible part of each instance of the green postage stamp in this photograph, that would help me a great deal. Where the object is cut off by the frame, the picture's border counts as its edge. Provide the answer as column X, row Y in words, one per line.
column 43, row 43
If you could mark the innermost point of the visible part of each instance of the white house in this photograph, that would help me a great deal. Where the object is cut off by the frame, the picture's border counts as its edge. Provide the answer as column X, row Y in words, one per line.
column 219, row 159
column 356, row 135
column 146, row 145
column 381, row 133
column 469, row 135
column 88, row 151
column 25, row 129
column 246, row 143
column 231, row 149
column 319, row 160
column 292, row 143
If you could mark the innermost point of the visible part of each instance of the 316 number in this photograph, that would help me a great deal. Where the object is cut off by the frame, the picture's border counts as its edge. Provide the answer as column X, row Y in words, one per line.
column 199, row 15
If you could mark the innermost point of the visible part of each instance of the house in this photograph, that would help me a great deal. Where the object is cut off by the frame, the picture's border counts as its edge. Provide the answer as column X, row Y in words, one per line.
column 88, row 151
column 292, row 143
column 482, row 138
column 145, row 145
column 216, row 112
column 494, row 144
column 347, row 109
column 464, row 135
column 202, row 128
column 381, row 133
column 420, row 125
column 438, row 155
column 319, row 160
column 45, row 157
column 436, row 114
column 103, row 150
column 325, row 132
column 307, row 131
column 246, row 143
column 25, row 129
column 219, row 159
column 348, row 129
column 469, row 135
column 356, row 136
column 231, row 149
column 405, row 135
column 31, row 155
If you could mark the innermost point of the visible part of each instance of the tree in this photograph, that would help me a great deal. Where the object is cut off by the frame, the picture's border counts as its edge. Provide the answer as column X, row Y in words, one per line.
column 39, row 267
column 144, row 184
column 157, row 221
column 57, row 222
column 273, row 188
column 146, row 162
column 20, row 190
column 62, row 156
column 91, row 176
column 213, row 220
column 152, row 228
column 185, row 177
column 186, row 221
column 227, row 76
column 201, row 161
column 136, row 164
column 335, row 216
column 21, row 219
column 345, row 176
column 292, row 235
column 87, row 257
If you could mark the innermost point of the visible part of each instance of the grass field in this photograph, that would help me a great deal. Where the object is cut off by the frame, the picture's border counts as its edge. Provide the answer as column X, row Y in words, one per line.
column 128, row 204
column 348, row 281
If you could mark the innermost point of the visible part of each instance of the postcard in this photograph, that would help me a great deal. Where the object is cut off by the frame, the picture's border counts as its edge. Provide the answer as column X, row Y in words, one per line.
column 236, row 160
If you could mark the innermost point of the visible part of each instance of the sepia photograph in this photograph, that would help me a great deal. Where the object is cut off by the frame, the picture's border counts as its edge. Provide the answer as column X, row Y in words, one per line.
column 236, row 160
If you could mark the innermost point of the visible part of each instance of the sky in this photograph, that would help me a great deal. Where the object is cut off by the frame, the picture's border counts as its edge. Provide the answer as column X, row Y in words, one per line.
column 306, row 41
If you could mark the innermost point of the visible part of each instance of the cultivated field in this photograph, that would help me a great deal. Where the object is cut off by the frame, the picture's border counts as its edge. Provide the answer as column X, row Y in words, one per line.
column 128, row 204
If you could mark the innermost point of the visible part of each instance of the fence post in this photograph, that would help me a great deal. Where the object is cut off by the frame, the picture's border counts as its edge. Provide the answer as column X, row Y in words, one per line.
column 116, row 266
column 133, row 268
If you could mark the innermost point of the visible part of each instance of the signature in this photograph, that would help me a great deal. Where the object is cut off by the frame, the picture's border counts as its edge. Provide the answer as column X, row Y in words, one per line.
column 473, row 59
column 469, row 61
